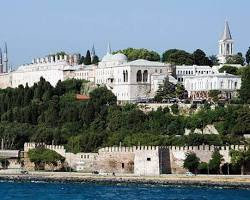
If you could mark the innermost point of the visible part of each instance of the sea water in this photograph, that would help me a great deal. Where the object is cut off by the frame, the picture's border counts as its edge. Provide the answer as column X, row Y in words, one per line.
column 85, row 191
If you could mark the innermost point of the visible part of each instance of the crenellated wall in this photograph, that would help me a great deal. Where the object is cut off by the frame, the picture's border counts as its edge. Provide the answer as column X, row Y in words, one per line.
column 138, row 160
column 57, row 148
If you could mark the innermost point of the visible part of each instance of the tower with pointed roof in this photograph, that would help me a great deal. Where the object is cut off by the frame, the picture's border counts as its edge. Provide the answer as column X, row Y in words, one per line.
column 226, row 45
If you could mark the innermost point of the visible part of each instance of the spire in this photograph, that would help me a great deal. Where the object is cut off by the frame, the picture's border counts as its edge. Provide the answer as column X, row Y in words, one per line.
column 226, row 34
column 93, row 51
column 1, row 57
column 5, row 58
column 109, row 49
column 5, row 48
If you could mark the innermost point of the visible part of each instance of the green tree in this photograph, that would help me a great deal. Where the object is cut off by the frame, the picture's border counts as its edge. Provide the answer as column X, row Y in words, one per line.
column 235, row 59
column 215, row 162
column 203, row 168
column 95, row 60
column 135, row 54
column 248, row 56
column 245, row 86
column 87, row 59
column 166, row 54
column 200, row 58
column 181, row 57
column 229, row 69
column 180, row 91
column 191, row 162
column 41, row 156
column 166, row 90
column 240, row 158
column 175, row 109
column 214, row 60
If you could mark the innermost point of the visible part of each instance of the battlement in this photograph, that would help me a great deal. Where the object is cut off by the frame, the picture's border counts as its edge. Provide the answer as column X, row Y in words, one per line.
column 127, row 149
column 207, row 148
column 32, row 145
column 211, row 148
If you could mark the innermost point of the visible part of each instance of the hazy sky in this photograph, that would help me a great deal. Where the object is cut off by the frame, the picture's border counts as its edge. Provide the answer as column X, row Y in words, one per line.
column 35, row 28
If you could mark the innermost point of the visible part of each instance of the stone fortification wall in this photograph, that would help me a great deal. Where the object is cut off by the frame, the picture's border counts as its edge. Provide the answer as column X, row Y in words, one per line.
column 115, row 159
column 84, row 162
column 57, row 148
column 204, row 152
column 147, row 162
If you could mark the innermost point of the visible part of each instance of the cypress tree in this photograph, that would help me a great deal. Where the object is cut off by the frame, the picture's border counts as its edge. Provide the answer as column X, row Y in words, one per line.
column 87, row 59
column 95, row 60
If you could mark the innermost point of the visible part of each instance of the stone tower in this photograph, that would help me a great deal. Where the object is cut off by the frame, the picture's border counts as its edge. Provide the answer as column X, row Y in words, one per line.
column 5, row 58
column 226, row 45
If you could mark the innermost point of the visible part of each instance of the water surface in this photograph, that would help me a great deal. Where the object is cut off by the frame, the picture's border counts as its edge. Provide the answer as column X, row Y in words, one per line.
column 75, row 191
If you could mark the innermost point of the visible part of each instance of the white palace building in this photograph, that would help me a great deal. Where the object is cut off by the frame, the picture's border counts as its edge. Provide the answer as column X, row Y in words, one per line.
column 129, row 80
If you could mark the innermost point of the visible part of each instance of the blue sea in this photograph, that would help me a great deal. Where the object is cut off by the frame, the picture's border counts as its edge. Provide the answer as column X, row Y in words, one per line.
column 75, row 191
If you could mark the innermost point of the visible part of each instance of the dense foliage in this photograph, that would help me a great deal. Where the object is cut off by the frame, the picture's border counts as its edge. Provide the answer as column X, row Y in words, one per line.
column 240, row 158
column 181, row 57
column 245, row 85
column 236, row 59
column 229, row 69
column 42, row 156
column 43, row 113
column 135, row 54
column 191, row 162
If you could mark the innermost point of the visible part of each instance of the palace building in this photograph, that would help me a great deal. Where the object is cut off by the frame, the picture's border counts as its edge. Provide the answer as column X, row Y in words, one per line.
column 130, row 81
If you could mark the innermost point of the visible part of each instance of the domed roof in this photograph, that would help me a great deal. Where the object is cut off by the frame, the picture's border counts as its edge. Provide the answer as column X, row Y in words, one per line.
column 115, row 57
column 119, row 57
column 107, row 57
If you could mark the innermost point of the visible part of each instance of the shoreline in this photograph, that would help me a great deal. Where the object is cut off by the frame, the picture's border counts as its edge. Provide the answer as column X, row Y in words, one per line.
column 237, row 182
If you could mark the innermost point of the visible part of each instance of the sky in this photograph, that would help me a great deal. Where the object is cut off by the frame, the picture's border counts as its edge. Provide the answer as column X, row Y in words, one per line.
column 36, row 28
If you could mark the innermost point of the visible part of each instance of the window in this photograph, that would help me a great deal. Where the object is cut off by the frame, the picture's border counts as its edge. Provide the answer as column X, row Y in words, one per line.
column 160, row 70
column 145, row 76
column 126, row 76
column 148, row 159
column 123, row 165
column 235, row 85
column 139, row 76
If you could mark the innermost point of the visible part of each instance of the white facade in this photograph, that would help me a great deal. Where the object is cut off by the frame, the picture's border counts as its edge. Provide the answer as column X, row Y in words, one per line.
column 187, row 71
column 199, row 86
column 129, row 81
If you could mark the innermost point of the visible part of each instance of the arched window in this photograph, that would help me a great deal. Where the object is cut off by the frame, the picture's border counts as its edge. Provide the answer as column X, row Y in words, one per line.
column 126, row 75
column 228, row 49
column 145, row 76
column 139, row 76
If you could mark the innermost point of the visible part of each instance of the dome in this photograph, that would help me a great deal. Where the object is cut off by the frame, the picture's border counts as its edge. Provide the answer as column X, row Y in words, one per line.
column 115, row 57
column 107, row 57
column 119, row 57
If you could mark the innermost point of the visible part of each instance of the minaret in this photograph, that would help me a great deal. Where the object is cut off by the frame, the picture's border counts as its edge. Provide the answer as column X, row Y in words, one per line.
column 226, row 44
column 109, row 49
column 92, row 53
column 5, row 58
